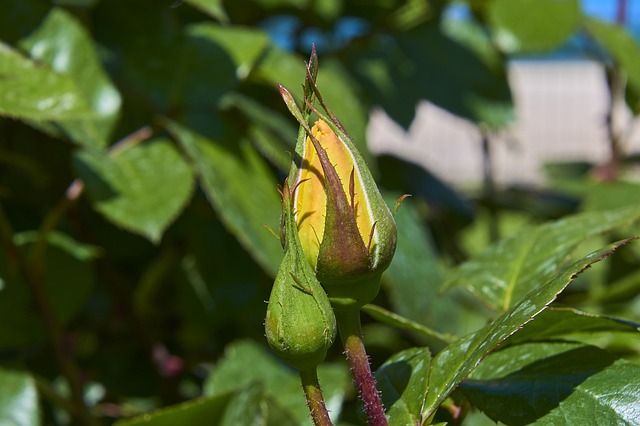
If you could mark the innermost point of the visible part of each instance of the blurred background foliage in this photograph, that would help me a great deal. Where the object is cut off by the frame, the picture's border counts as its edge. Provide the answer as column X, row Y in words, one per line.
column 142, row 143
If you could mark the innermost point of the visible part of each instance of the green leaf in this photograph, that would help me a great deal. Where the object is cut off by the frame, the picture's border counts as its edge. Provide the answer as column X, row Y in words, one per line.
column 207, row 410
column 33, row 92
column 454, row 363
column 414, row 276
column 403, row 381
column 247, row 407
column 63, row 44
column 213, row 8
column 272, row 133
column 240, row 188
column 281, row 382
column 244, row 45
column 558, row 322
column 402, row 323
column 504, row 272
column 142, row 188
column 69, row 277
column 621, row 45
column 18, row 399
column 426, row 63
column 532, row 25
column 556, row 383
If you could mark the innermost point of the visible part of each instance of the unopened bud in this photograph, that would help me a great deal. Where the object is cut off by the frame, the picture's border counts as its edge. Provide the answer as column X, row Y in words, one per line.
column 300, row 324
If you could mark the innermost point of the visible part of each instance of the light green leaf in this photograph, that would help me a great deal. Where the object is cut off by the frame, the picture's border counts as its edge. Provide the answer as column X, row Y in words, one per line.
column 459, row 359
column 142, row 188
column 532, row 25
column 282, row 383
column 403, row 381
column 243, row 45
column 33, row 92
column 18, row 399
column 80, row 251
column 63, row 44
column 503, row 273
column 213, row 8
column 207, row 410
column 560, row 322
column 240, row 188
column 556, row 383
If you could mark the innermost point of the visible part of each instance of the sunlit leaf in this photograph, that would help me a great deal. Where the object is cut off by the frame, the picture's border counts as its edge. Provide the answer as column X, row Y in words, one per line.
column 18, row 399
column 503, row 273
column 556, row 383
column 213, row 8
column 241, row 189
column 63, row 44
column 33, row 92
column 532, row 25
column 142, row 188
column 281, row 382
column 207, row 410
column 243, row 45
column 559, row 322
column 403, row 381
column 459, row 359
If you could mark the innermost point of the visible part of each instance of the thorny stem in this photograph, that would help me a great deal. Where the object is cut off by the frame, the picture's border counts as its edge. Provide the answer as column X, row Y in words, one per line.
column 315, row 400
column 351, row 334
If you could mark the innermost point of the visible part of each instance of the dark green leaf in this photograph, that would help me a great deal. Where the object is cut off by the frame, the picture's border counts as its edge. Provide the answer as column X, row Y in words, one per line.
column 402, row 323
column 207, row 410
column 33, row 92
column 18, row 399
column 458, row 360
column 241, row 189
column 271, row 132
column 403, row 381
column 414, row 276
column 509, row 269
column 63, row 44
column 142, row 188
column 281, row 382
column 558, row 322
column 555, row 383
column 532, row 25
column 69, row 278
column 427, row 64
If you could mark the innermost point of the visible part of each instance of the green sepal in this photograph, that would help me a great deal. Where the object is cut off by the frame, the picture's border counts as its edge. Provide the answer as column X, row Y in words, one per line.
column 300, row 325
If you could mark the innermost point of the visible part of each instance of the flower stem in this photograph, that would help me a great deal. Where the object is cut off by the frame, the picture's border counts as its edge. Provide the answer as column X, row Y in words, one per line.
column 315, row 400
column 351, row 335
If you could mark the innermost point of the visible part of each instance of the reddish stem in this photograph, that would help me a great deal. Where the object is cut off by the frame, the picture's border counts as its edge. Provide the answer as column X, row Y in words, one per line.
column 315, row 400
column 351, row 335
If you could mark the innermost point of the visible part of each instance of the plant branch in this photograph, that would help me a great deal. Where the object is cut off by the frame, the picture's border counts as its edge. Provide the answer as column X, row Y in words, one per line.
column 34, row 279
column 351, row 334
column 315, row 400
